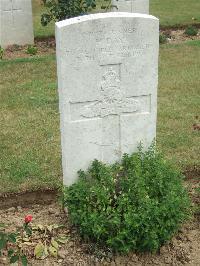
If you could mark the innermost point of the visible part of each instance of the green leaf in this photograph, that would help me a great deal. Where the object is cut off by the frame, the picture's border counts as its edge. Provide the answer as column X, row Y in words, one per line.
column 28, row 231
column 54, row 244
column 24, row 260
column 50, row 228
column 2, row 234
column 53, row 251
column 14, row 258
column 39, row 250
column 12, row 238
column 10, row 252
column 56, row 226
column 2, row 225
column 3, row 242
column 62, row 239
column 46, row 253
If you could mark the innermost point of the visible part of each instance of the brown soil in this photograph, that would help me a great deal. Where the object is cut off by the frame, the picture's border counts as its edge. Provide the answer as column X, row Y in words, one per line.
column 46, row 46
column 184, row 248
column 177, row 36
column 25, row 199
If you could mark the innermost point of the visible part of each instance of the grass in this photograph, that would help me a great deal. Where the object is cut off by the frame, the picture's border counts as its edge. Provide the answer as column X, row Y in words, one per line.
column 30, row 138
column 178, row 102
column 170, row 13
column 176, row 12
column 39, row 30
column 30, row 153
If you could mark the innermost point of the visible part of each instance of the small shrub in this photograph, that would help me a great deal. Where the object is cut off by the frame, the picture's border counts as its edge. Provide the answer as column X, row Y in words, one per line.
column 12, row 243
column 1, row 53
column 191, row 31
column 137, row 204
column 32, row 50
column 162, row 38
column 63, row 9
column 57, row 10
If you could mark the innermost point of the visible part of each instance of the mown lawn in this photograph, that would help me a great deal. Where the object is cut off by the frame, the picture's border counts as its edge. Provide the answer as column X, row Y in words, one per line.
column 178, row 103
column 176, row 12
column 30, row 156
column 170, row 13
column 29, row 119
column 39, row 30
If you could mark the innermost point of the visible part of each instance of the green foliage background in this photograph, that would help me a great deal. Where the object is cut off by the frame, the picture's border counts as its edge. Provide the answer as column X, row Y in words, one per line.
column 63, row 9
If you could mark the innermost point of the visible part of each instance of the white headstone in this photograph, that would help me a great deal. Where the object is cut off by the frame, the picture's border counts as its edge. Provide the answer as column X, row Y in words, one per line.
column 107, row 78
column 16, row 26
column 132, row 6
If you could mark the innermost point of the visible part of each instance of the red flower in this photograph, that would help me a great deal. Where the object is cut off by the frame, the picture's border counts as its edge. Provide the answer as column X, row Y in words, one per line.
column 28, row 218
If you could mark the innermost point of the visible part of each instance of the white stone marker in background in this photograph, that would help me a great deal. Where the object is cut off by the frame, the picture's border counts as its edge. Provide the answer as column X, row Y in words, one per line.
column 107, row 78
column 16, row 25
column 132, row 6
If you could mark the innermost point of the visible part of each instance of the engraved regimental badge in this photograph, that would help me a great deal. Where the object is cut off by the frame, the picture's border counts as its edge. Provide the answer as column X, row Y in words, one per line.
column 112, row 101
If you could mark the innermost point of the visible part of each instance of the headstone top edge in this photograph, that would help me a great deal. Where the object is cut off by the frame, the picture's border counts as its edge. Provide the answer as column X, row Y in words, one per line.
column 84, row 18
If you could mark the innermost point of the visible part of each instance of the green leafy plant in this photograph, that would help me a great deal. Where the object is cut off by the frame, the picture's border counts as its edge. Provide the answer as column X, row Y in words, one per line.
column 11, row 243
column 44, row 240
column 1, row 53
column 191, row 31
column 106, row 5
column 162, row 38
column 32, row 50
column 137, row 204
column 49, row 240
column 63, row 9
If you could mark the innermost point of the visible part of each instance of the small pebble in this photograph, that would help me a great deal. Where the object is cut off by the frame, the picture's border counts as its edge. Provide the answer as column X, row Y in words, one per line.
column 57, row 214
column 12, row 209
column 66, row 210
column 51, row 211
column 19, row 208
column 61, row 254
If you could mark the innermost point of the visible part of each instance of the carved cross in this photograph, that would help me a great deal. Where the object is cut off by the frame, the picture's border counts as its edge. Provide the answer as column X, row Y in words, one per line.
column 12, row 10
column 111, row 106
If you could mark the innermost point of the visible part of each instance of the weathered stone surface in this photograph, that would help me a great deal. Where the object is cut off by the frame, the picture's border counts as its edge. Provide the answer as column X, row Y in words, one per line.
column 107, row 78
column 16, row 26
column 133, row 6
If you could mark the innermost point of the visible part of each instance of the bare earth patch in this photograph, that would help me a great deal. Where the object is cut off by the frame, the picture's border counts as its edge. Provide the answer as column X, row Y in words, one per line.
column 44, row 47
column 184, row 249
column 178, row 36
